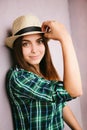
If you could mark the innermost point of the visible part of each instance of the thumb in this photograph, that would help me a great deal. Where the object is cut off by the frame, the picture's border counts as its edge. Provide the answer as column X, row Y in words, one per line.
column 47, row 32
column 47, row 35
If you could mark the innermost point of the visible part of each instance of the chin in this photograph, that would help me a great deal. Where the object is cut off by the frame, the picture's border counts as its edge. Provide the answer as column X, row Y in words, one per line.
column 35, row 63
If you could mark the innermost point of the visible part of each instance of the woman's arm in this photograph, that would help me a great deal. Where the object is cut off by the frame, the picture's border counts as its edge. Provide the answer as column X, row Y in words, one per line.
column 70, row 119
column 71, row 79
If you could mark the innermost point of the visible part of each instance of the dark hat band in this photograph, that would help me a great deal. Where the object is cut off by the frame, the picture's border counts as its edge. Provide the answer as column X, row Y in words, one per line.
column 28, row 29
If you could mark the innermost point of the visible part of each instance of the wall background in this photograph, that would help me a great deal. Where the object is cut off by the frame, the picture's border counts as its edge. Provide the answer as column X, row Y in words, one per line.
column 78, row 21
column 73, row 15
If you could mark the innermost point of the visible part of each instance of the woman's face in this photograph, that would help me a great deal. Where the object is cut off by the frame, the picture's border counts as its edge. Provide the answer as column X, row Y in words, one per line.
column 33, row 48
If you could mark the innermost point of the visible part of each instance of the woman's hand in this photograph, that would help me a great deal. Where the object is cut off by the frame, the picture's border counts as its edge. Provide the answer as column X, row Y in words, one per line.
column 54, row 30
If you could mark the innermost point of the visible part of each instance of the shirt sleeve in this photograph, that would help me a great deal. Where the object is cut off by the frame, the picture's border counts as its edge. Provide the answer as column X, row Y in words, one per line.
column 28, row 85
column 64, row 104
column 61, row 95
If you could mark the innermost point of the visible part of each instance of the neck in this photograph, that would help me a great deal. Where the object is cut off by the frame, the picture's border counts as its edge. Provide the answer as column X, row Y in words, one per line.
column 37, row 68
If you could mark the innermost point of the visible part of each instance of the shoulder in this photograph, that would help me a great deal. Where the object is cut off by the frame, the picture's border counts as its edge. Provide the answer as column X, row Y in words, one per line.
column 21, row 74
column 16, row 72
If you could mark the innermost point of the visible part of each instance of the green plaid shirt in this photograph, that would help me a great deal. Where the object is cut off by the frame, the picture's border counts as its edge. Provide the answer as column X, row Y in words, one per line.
column 36, row 103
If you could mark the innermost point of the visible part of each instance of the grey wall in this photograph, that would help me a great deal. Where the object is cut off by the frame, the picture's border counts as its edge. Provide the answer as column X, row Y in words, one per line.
column 47, row 9
column 78, row 20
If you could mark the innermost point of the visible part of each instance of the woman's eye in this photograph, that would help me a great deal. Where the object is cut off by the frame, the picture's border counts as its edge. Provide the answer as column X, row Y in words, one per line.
column 25, row 44
column 40, row 41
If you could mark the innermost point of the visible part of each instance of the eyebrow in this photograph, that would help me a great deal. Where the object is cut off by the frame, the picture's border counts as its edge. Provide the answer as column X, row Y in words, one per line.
column 29, row 40
column 25, row 40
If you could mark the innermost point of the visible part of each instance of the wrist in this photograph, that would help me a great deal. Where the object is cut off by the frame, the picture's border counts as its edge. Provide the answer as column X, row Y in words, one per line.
column 66, row 39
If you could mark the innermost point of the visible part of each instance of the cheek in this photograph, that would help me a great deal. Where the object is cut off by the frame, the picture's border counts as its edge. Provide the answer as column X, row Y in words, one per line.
column 43, row 49
column 25, row 51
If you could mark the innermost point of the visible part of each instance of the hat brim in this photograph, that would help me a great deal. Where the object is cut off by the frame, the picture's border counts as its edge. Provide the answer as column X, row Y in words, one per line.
column 10, row 40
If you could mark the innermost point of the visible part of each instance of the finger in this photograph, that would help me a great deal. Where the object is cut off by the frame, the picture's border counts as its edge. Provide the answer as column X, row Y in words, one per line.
column 48, row 35
column 48, row 29
column 46, row 26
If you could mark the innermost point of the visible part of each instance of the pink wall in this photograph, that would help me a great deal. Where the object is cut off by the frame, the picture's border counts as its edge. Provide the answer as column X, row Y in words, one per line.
column 47, row 9
column 78, row 17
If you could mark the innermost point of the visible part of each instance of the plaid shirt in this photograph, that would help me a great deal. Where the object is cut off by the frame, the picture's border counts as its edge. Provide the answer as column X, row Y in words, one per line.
column 36, row 103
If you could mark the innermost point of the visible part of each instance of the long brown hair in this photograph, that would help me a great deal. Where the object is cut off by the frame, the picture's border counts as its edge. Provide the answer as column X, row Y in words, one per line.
column 47, row 68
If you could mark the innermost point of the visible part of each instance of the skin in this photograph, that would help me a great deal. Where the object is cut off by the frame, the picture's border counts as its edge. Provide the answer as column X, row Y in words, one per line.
column 34, row 50
column 70, row 119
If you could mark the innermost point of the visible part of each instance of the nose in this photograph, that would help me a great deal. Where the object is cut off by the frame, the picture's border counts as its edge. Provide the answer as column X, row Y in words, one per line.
column 34, row 48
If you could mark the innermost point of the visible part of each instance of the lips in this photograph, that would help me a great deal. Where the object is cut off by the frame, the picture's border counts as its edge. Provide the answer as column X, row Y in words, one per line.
column 34, row 57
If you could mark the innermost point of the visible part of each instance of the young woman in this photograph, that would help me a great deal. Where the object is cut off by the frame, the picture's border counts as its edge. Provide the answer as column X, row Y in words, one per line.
column 36, row 92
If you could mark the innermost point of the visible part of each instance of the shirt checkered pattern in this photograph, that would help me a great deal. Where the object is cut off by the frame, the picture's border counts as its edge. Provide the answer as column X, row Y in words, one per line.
column 36, row 103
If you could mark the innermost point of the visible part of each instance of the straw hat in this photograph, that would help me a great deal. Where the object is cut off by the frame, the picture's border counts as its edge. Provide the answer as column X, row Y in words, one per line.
column 23, row 25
